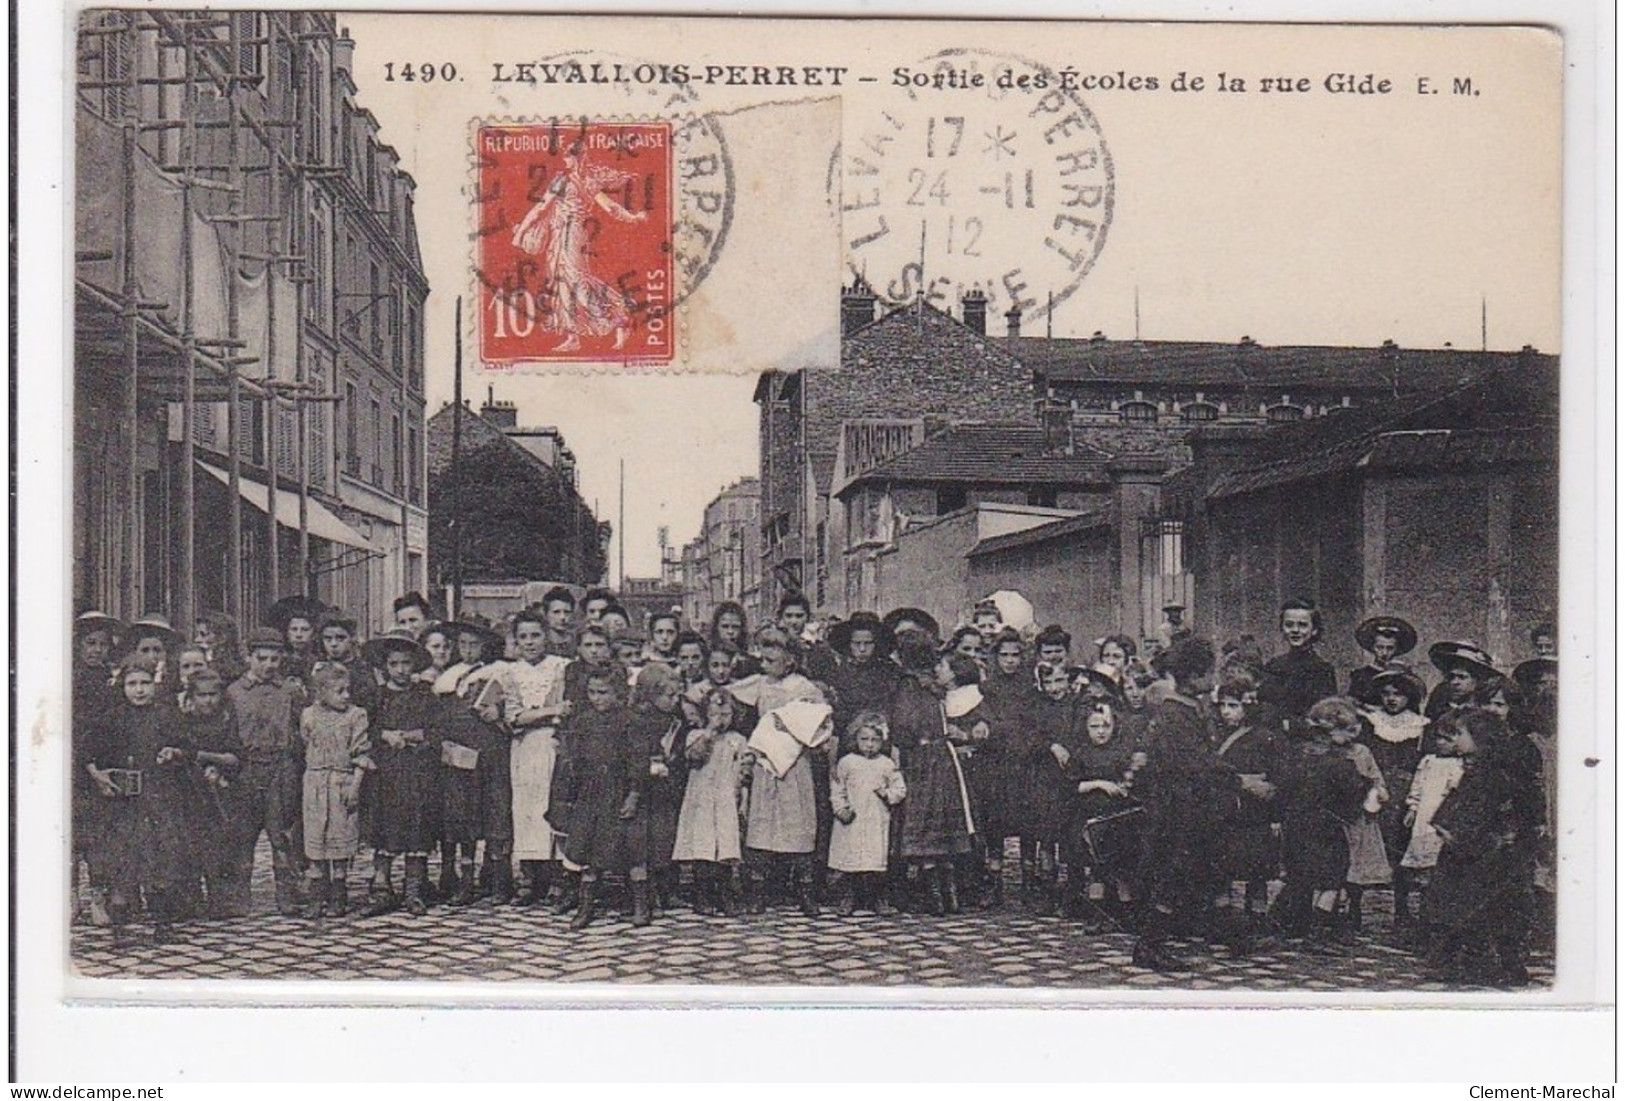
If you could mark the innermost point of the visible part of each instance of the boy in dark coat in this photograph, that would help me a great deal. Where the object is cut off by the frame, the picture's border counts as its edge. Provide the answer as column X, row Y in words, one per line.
column 1248, row 848
column 1479, row 901
column 268, row 786
column 1323, row 793
column 608, row 767
column 210, row 729
column 657, row 725
column 1184, row 787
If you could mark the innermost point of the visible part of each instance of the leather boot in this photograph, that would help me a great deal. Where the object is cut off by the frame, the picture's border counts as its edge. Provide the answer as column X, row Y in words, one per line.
column 938, row 898
column 640, row 903
column 450, row 882
column 380, row 900
column 417, row 872
column 707, row 890
column 338, row 898
column 726, row 898
column 529, row 883
column 315, row 901
column 755, row 894
column 806, row 893
column 467, row 886
column 287, row 896
column 1323, row 933
column 587, row 904
column 163, row 907
column 1150, row 949
column 950, row 888
column 569, row 888
column 846, row 901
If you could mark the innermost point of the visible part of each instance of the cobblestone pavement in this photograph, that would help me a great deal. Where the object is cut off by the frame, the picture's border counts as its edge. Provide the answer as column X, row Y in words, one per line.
column 1003, row 948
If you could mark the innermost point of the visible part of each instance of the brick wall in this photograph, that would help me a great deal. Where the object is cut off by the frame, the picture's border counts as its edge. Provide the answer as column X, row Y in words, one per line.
column 910, row 364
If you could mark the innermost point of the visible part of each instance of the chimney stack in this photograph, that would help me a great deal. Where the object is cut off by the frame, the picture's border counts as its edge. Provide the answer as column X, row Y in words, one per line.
column 857, row 306
column 1012, row 322
column 1057, row 421
column 974, row 307
column 502, row 414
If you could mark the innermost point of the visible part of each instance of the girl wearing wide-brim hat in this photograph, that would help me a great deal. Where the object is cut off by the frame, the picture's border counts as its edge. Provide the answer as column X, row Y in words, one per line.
column 1466, row 667
column 95, row 637
column 1101, row 681
column 1529, row 674
column 1385, row 638
column 1396, row 737
column 900, row 619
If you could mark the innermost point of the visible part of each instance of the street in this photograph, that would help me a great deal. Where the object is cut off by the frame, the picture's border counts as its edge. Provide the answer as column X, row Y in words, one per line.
column 1004, row 948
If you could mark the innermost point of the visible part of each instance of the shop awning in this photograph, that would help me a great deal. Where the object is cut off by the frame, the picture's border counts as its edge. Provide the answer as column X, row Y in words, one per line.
column 319, row 518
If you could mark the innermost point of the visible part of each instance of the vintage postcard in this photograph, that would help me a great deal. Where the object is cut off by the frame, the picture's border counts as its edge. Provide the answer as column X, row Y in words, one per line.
column 643, row 507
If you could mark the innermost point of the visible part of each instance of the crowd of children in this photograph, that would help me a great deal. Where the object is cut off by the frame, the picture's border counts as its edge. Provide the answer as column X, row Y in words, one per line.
column 559, row 760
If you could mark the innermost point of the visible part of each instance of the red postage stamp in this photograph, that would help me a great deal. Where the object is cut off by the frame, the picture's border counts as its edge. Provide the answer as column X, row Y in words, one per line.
column 575, row 243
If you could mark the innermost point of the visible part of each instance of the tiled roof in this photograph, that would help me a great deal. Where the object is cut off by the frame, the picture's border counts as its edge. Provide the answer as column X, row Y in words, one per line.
column 1507, row 416
column 1073, row 525
column 991, row 454
column 1194, row 363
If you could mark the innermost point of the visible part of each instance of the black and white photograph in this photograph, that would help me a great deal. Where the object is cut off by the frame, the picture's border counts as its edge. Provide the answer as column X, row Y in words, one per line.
column 798, row 508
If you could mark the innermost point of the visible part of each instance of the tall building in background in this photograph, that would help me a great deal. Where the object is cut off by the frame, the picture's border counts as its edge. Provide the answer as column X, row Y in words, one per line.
column 724, row 561
column 248, row 323
column 523, row 519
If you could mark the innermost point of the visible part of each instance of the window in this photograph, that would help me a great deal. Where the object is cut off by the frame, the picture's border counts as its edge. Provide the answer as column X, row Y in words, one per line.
column 1284, row 413
column 1041, row 496
column 248, row 32
column 1198, row 411
column 396, row 473
column 352, row 431
column 376, row 474
column 376, row 308
column 1138, row 411
column 950, row 499
column 413, row 485
column 409, row 351
column 320, row 260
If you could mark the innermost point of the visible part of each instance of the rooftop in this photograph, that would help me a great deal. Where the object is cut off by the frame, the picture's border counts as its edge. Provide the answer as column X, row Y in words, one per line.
column 1258, row 366
column 999, row 454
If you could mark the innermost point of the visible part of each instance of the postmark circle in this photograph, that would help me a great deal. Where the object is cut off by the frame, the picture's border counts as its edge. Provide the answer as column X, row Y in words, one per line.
column 1002, row 183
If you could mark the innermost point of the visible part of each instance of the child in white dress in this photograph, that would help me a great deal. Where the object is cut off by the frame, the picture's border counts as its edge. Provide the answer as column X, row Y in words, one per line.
column 864, row 787
column 1436, row 777
column 708, row 825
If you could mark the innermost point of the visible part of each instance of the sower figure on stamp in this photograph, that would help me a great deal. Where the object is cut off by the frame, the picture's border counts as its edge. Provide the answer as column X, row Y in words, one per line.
column 576, row 301
column 268, row 797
